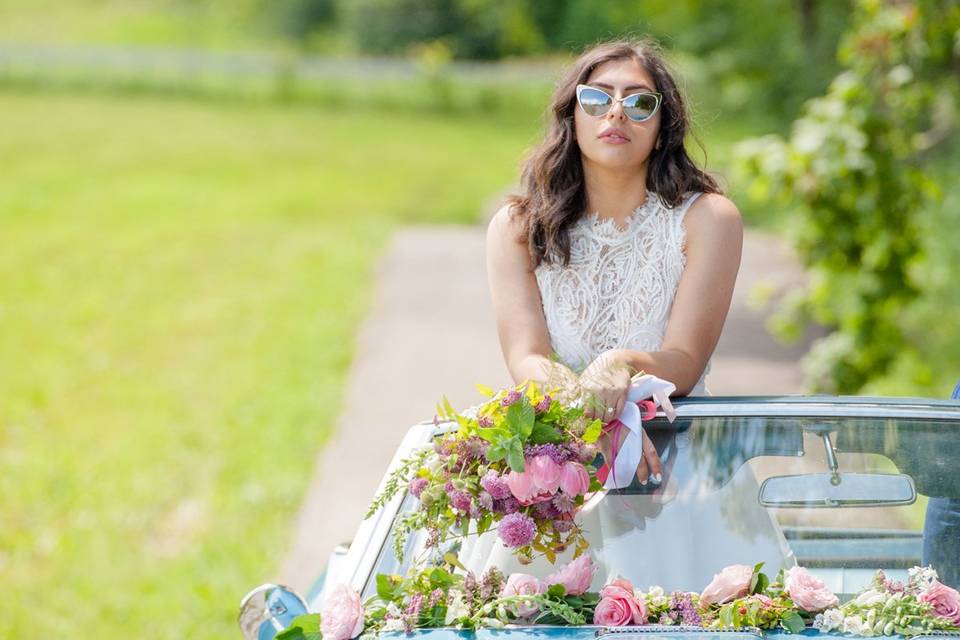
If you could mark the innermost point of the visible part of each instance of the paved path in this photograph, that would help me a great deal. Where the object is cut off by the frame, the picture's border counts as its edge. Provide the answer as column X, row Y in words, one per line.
column 431, row 332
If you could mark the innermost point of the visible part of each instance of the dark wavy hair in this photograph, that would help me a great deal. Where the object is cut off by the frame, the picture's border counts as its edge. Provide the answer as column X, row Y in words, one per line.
column 553, row 193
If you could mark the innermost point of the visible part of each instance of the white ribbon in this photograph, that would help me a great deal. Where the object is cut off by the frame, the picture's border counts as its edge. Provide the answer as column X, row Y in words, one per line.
column 624, row 464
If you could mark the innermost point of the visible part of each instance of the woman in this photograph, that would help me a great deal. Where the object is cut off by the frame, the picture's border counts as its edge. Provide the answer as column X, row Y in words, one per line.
column 621, row 254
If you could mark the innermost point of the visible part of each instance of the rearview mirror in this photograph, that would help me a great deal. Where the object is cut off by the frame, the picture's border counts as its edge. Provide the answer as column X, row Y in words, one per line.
column 830, row 490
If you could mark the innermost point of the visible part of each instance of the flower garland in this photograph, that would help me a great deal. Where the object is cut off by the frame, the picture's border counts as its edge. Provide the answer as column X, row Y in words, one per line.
column 739, row 596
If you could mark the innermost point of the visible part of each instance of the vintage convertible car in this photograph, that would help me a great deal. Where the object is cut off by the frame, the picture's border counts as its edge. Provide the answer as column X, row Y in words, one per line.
column 843, row 486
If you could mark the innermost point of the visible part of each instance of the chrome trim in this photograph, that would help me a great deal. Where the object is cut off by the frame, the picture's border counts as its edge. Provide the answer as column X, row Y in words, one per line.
column 813, row 410
column 660, row 628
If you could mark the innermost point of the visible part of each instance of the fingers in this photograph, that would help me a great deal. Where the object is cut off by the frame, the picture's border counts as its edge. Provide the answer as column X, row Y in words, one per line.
column 652, row 460
column 643, row 471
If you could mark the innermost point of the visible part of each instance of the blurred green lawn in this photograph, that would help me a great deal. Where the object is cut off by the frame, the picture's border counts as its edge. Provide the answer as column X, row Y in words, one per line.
column 179, row 287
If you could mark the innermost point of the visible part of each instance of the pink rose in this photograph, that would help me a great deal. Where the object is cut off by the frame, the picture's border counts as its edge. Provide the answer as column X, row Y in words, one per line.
column 619, row 606
column 731, row 583
column 341, row 616
column 546, row 474
column 945, row 601
column 808, row 592
column 574, row 478
column 523, row 584
column 575, row 576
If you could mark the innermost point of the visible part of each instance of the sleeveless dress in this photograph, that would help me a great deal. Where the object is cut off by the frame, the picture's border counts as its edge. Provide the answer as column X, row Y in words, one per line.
column 618, row 290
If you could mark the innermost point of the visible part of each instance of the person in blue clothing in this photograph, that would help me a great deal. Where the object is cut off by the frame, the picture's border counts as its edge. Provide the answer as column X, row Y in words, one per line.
column 941, row 533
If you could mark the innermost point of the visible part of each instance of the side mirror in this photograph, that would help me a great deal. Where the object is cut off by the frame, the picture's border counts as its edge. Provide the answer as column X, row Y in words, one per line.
column 833, row 490
column 268, row 610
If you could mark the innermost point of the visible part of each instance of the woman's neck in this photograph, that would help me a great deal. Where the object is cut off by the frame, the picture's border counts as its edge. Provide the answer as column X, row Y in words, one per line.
column 614, row 194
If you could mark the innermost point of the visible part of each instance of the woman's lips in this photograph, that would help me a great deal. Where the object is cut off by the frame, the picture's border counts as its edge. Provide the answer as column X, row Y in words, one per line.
column 614, row 136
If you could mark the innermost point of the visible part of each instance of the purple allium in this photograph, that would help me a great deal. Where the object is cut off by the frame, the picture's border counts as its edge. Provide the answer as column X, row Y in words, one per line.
column 512, row 397
column 562, row 526
column 563, row 503
column 417, row 485
column 433, row 538
column 470, row 586
column 485, row 500
column 485, row 422
column 507, row 505
column 496, row 485
column 461, row 500
column 546, row 510
column 544, row 405
column 517, row 530
column 436, row 597
column 554, row 452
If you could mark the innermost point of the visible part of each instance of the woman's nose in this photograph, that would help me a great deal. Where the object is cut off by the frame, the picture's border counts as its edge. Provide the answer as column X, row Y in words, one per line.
column 616, row 111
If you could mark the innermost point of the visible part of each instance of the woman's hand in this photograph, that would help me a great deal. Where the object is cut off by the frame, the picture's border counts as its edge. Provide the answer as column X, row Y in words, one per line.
column 604, row 384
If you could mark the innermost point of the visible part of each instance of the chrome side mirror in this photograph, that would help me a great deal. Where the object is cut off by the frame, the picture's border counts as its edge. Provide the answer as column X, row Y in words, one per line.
column 268, row 610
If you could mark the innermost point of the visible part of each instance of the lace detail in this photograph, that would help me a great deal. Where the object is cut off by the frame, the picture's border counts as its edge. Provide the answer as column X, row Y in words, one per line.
column 618, row 290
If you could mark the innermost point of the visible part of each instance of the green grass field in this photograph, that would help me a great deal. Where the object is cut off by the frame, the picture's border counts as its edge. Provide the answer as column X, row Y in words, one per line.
column 179, row 287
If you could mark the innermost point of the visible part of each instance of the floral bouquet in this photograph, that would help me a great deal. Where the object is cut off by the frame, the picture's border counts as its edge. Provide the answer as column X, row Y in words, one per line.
column 521, row 460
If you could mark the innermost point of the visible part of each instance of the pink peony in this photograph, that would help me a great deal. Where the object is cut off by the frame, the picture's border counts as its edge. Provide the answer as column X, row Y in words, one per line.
column 521, row 486
column 523, row 584
column 546, row 474
column 731, row 583
column 945, row 601
column 575, row 576
column 808, row 592
column 619, row 605
column 341, row 616
column 574, row 478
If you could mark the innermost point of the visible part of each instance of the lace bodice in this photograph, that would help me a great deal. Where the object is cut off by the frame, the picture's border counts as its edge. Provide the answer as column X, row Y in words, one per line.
column 618, row 289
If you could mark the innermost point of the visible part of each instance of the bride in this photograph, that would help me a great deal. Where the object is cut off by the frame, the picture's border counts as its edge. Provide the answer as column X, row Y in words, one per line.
column 620, row 254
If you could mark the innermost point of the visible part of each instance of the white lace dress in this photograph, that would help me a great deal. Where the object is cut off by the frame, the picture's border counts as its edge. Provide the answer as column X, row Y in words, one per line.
column 618, row 290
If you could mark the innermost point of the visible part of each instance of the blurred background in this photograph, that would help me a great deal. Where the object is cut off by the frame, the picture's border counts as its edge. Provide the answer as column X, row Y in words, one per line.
column 195, row 196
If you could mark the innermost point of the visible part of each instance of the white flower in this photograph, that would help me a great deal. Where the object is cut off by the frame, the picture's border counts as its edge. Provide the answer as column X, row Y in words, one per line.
column 869, row 598
column 394, row 624
column 655, row 592
column 456, row 609
column 922, row 577
column 856, row 626
column 828, row 620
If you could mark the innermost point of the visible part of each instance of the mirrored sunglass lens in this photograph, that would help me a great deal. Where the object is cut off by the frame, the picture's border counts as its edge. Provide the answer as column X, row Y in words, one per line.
column 594, row 102
column 640, row 107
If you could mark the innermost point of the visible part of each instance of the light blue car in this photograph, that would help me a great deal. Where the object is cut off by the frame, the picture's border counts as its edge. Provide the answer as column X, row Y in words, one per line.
column 843, row 486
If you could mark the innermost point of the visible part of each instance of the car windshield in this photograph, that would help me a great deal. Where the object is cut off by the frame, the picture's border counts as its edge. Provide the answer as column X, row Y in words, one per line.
column 842, row 496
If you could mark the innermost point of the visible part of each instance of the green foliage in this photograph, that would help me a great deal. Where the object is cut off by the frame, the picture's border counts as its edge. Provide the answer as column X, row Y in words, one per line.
column 305, row 627
column 854, row 162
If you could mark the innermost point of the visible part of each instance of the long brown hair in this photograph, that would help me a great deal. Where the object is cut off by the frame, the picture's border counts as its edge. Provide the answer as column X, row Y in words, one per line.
column 553, row 192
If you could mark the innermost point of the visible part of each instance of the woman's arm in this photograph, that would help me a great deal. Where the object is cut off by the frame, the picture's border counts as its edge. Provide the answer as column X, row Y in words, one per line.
column 714, row 231
column 521, row 326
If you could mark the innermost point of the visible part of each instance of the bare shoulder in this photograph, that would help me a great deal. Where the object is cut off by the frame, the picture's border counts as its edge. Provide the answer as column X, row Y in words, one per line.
column 714, row 216
column 505, row 227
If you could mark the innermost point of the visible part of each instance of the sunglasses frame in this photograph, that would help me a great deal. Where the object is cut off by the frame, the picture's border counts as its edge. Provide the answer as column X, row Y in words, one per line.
column 659, row 97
